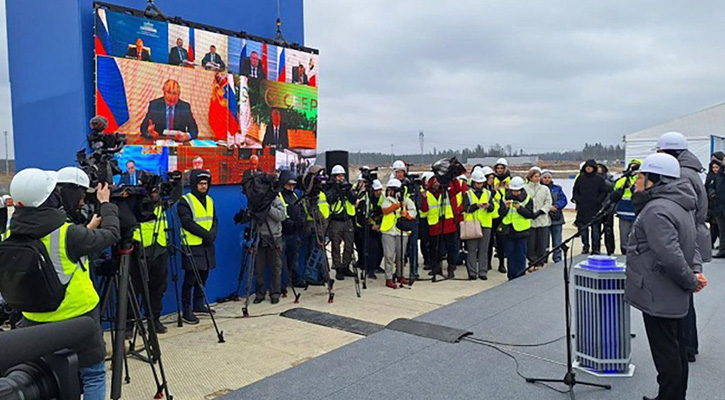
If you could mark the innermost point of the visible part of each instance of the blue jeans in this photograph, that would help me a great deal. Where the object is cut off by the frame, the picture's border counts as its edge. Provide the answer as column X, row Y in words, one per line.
column 555, row 232
column 516, row 249
column 93, row 379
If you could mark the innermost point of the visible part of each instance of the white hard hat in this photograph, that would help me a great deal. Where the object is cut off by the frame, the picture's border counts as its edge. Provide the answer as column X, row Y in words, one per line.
column 517, row 183
column 475, row 168
column 337, row 169
column 502, row 161
column 661, row 164
column 399, row 165
column 74, row 175
column 478, row 176
column 537, row 169
column 426, row 176
column 377, row 185
column 394, row 183
column 31, row 187
column 672, row 141
column 487, row 171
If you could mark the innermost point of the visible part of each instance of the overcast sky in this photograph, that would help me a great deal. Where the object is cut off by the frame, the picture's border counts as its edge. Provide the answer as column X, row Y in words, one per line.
column 539, row 75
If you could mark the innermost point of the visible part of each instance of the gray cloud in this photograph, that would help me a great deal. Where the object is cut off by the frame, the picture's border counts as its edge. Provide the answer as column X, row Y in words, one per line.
column 542, row 75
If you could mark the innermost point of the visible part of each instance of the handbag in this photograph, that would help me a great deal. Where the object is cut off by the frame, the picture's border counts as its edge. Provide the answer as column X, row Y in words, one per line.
column 471, row 230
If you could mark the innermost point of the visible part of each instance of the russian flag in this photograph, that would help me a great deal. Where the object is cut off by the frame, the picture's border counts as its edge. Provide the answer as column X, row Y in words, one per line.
column 282, row 74
column 102, row 37
column 264, row 58
column 190, row 50
column 242, row 55
column 111, row 93
column 223, row 116
column 231, row 98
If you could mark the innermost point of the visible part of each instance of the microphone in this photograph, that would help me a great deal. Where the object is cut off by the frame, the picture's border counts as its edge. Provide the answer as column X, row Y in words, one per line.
column 28, row 344
column 609, row 204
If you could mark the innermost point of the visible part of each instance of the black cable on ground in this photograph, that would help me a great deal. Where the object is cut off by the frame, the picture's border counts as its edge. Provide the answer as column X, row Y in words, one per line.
column 517, row 344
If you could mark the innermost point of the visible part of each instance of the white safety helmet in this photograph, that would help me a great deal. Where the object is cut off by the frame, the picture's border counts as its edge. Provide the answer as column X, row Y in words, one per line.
column 337, row 170
column 377, row 185
column 31, row 187
column 478, row 176
column 399, row 165
column 502, row 161
column 661, row 164
column 672, row 141
column 537, row 169
column 463, row 177
column 487, row 171
column 75, row 176
column 426, row 176
column 476, row 168
column 394, row 183
column 517, row 183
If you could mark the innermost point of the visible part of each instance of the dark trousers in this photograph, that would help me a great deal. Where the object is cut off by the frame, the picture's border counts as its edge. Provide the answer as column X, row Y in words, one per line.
column 341, row 233
column 424, row 237
column 412, row 250
column 158, row 269
column 516, row 250
column 440, row 245
column 714, row 231
column 291, row 259
column 596, row 238
column 721, row 232
column 374, row 249
column 691, row 328
column 538, row 244
column 268, row 258
column 608, row 225
column 666, row 338
column 497, row 241
column 190, row 283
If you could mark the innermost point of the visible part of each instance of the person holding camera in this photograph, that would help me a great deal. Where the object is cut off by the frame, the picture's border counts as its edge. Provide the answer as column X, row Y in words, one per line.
column 198, row 232
column 518, row 211
column 625, row 209
column 342, row 201
column 269, row 250
column 664, row 267
column 368, row 217
column 397, row 208
column 291, row 228
column 478, row 206
column 39, row 217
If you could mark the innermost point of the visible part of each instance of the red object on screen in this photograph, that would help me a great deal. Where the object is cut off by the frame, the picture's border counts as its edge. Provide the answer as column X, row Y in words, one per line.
column 220, row 118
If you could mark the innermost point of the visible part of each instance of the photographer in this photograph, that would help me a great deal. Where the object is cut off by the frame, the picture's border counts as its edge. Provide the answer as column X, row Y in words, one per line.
column 367, row 221
column 317, row 213
column 342, row 201
column 39, row 217
column 625, row 209
column 396, row 206
column 269, row 251
column 199, row 228
column 291, row 228
column 518, row 211
column 151, row 234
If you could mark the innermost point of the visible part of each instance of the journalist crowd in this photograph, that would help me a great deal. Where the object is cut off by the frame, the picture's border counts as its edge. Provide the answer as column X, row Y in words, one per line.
column 410, row 228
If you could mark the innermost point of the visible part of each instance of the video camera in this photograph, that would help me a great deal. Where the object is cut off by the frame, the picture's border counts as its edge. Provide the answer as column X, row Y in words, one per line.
column 100, row 165
column 447, row 169
column 369, row 174
column 314, row 180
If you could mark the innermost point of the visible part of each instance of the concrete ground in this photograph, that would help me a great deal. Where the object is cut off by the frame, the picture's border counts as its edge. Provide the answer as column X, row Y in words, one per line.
column 197, row 367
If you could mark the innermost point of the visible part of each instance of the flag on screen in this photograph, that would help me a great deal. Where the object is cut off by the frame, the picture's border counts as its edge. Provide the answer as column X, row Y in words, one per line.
column 191, row 45
column 264, row 58
column 102, row 38
column 281, row 76
column 242, row 55
column 222, row 115
column 111, row 93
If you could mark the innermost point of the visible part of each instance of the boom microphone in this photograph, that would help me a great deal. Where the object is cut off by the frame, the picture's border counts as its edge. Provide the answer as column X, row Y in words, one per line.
column 28, row 344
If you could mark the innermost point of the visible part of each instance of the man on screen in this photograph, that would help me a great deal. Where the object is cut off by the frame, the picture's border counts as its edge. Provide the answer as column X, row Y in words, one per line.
column 276, row 132
column 130, row 177
column 138, row 52
column 169, row 113
column 212, row 60
column 251, row 67
column 178, row 54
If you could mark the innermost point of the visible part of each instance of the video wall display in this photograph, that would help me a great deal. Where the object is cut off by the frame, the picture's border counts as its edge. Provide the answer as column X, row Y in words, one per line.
column 186, row 97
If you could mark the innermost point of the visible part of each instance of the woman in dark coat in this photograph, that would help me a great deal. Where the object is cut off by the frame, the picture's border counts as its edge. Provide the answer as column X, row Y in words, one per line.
column 590, row 191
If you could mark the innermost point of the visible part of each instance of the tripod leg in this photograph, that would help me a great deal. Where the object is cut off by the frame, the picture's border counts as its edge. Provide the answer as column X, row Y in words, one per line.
column 121, row 310
column 250, row 271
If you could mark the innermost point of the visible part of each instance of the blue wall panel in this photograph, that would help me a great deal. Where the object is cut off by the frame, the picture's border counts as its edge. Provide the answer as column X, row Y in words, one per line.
column 50, row 50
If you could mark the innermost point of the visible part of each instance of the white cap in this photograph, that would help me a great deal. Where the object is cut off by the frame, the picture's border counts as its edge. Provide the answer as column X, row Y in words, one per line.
column 478, row 176
column 502, row 161
column 399, row 165
column 517, row 183
column 394, row 183
column 31, row 187
column 75, row 176
column 337, row 169
column 487, row 171
column 672, row 141
column 661, row 164
column 377, row 185
column 426, row 176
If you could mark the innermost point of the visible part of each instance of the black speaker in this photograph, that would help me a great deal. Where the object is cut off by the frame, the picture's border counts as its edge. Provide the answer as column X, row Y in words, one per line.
column 336, row 157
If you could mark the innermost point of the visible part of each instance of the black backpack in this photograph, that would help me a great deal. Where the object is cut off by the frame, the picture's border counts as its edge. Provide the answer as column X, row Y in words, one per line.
column 28, row 279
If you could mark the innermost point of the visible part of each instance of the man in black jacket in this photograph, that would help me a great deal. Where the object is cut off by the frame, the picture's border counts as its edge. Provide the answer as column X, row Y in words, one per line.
column 291, row 229
column 589, row 194
column 342, row 214
column 198, row 231
column 212, row 60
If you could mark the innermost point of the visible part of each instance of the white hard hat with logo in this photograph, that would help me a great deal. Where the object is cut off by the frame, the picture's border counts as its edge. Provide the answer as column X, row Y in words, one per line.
column 75, row 176
column 478, row 176
column 31, row 187
column 517, row 183
column 337, row 170
column 672, row 141
column 661, row 164
column 399, row 165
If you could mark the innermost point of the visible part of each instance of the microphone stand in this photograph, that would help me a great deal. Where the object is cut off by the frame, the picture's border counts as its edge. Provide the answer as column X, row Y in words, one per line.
column 570, row 376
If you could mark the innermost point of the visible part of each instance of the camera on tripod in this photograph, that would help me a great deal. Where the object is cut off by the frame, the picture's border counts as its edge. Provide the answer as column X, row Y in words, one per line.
column 100, row 165
column 369, row 174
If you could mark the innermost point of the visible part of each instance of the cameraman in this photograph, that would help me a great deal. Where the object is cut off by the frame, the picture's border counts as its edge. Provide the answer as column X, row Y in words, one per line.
column 39, row 216
column 199, row 228
column 269, row 250
column 625, row 209
column 342, row 201
column 368, row 216
column 291, row 228
column 151, row 234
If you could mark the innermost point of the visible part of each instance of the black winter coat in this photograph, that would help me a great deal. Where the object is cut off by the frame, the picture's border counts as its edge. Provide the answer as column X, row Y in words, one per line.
column 590, row 191
column 204, row 255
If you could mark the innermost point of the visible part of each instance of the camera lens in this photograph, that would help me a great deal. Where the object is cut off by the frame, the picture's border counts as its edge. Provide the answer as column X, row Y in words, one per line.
column 29, row 381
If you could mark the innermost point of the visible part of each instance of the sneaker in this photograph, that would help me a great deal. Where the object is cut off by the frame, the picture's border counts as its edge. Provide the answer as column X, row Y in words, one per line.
column 274, row 299
column 189, row 317
column 160, row 328
column 391, row 284
column 340, row 275
column 258, row 299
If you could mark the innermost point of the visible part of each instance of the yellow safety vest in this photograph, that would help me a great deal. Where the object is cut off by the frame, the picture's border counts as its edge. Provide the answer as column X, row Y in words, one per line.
column 513, row 217
column 497, row 203
column 284, row 203
column 498, row 182
column 80, row 295
column 422, row 214
column 147, row 230
column 337, row 208
column 389, row 220
column 627, row 194
column 322, row 205
column 480, row 215
column 434, row 209
column 204, row 217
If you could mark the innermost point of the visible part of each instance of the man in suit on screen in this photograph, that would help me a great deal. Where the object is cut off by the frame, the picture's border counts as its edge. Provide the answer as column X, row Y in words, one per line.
column 252, row 68
column 178, row 54
column 130, row 177
column 138, row 52
column 276, row 132
column 212, row 60
column 169, row 113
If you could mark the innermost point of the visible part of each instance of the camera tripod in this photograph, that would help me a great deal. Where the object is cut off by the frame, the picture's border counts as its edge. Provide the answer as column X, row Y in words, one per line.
column 318, row 225
column 118, row 281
